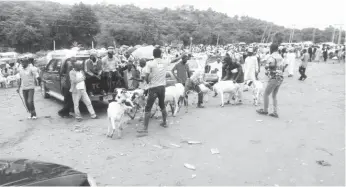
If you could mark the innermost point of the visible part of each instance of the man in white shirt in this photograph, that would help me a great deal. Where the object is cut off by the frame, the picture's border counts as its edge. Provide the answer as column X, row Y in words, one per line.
column 156, row 80
column 78, row 90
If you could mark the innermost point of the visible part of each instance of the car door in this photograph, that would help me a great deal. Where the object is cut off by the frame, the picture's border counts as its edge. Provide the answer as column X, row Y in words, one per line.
column 47, row 76
column 56, row 76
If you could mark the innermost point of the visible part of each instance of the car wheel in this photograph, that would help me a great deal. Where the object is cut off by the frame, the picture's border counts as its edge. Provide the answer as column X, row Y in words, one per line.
column 44, row 90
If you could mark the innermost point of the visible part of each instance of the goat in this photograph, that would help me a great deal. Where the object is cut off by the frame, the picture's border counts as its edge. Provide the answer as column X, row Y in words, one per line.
column 116, row 111
column 230, row 87
column 116, row 115
column 257, row 89
column 174, row 95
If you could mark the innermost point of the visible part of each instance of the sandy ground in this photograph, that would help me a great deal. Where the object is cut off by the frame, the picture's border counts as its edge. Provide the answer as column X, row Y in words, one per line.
column 254, row 149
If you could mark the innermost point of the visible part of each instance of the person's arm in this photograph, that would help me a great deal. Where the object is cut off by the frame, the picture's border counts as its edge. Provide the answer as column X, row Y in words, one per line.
column 239, row 71
column 188, row 71
column 176, row 59
column 87, row 69
column 74, row 79
column 257, row 66
column 19, row 84
column 173, row 69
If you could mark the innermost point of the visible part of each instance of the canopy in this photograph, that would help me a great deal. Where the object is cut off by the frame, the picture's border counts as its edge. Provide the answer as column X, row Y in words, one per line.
column 144, row 52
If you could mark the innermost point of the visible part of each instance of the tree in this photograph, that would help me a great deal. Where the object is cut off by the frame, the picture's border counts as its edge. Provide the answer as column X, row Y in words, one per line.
column 84, row 24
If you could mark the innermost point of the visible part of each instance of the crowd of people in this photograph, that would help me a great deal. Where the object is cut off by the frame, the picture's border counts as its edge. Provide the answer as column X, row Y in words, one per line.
column 233, row 62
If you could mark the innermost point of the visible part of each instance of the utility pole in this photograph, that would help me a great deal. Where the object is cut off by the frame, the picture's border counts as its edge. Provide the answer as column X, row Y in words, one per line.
column 292, row 37
column 270, row 30
column 217, row 41
column 313, row 35
column 264, row 32
column 340, row 32
column 333, row 35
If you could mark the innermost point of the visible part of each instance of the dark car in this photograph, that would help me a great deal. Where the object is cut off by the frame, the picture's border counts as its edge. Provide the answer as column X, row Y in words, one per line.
column 24, row 172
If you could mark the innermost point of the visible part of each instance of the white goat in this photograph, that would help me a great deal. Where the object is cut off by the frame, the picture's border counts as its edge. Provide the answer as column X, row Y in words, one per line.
column 229, row 87
column 257, row 89
column 116, row 115
column 173, row 96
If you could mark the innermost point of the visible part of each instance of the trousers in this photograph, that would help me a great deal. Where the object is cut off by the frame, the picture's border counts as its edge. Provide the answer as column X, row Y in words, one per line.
column 29, row 101
column 272, row 88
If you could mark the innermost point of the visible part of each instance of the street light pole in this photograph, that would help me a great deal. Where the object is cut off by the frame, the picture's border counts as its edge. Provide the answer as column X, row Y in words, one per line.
column 313, row 35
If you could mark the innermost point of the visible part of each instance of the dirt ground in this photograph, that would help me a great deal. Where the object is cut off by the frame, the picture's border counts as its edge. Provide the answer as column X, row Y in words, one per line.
column 254, row 149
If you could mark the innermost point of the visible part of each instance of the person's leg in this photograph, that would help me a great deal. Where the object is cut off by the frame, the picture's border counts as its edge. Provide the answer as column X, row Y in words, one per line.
column 86, row 100
column 152, row 95
column 304, row 75
column 161, row 96
column 104, row 82
column 65, row 110
column 240, row 93
column 200, row 96
column 300, row 72
column 76, row 96
column 32, row 110
column 26, row 97
column 268, row 90
column 275, row 102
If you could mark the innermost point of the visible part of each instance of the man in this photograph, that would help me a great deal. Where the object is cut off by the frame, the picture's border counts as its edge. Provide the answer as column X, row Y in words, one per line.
column 93, row 71
column 66, row 85
column 226, row 63
column 156, row 79
column 291, row 60
column 303, row 65
column 78, row 90
column 325, row 53
column 310, row 53
column 217, row 67
column 109, row 70
column 193, row 83
column 27, row 80
column 183, row 71
column 275, row 67
column 142, row 72
column 250, row 66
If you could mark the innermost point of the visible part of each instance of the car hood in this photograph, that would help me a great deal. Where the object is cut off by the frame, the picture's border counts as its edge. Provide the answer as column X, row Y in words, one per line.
column 16, row 172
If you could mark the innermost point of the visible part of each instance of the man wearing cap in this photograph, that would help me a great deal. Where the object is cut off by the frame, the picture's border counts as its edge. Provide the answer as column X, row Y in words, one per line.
column 93, row 70
column 78, row 90
column 250, row 66
column 27, row 80
column 109, row 70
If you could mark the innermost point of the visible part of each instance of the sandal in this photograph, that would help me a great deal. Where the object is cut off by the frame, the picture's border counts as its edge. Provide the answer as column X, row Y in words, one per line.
column 262, row 112
column 275, row 115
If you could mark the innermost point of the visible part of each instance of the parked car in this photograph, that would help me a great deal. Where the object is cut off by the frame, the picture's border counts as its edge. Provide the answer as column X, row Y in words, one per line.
column 25, row 172
column 195, row 65
column 54, row 72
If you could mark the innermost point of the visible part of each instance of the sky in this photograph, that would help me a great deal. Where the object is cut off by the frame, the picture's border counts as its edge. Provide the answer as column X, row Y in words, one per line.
column 290, row 13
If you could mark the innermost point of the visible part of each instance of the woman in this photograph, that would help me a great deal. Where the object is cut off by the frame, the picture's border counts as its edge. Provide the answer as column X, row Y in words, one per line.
column 275, row 68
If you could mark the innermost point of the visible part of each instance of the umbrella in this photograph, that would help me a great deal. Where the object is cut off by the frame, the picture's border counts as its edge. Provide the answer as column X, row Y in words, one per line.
column 144, row 52
column 131, row 50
